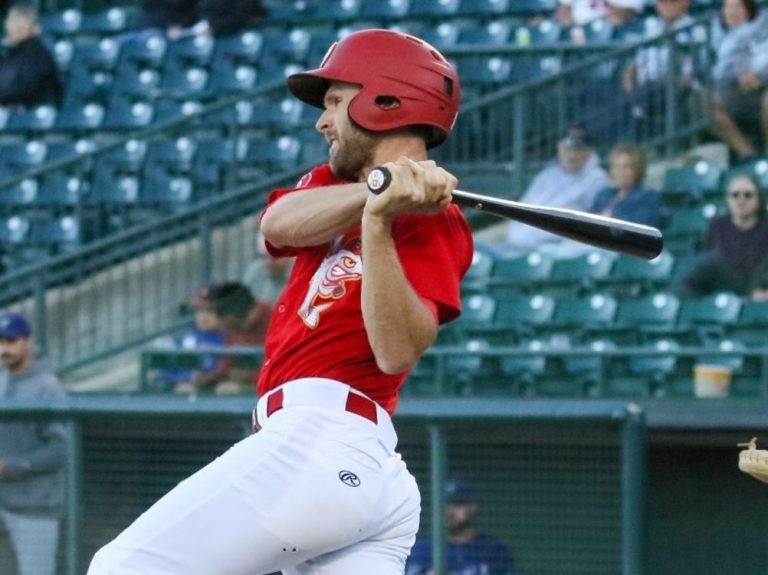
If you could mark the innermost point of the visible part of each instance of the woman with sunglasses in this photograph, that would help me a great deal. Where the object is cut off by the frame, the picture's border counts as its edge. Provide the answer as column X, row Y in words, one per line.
column 735, row 242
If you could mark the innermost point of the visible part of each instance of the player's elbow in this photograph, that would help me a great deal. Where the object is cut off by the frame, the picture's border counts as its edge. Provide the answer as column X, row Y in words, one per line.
column 395, row 361
column 393, row 366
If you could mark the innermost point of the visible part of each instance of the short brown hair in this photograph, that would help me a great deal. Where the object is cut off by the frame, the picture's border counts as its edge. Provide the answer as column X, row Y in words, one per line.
column 636, row 155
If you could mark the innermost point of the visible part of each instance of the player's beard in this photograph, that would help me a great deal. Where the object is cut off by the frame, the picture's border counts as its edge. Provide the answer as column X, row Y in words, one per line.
column 352, row 154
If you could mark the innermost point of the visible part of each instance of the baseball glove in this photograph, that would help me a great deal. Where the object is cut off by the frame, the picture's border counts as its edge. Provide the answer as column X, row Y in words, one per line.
column 754, row 461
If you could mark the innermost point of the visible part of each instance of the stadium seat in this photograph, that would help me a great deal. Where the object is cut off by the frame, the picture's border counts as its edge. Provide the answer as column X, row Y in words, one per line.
column 23, row 156
column 109, row 21
column 171, row 109
column 243, row 48
column 173, row 155
column 686, row 227
column 127, row 157
column 78, row 119
column 63, row 53
column 60, row 191
column 519, row 316
column 484, row 8
column 758, row 169
column 60, row 23
column 56, row 234
column 96, row 53
column 647, row 374
column 20, row 196
column 545, row 32
column 631, row 275
column 165, row 192
column 575, row 316
column 37, row 120
column 281, row 115
column 125, row 114
column 528, row 8
column 443, row 35
column 383, row 10
column 483, row 259
column 520, row 273
column 69, row 149
column 144, row 51
column 182, row 83
column 691, row 184
column 192, row 51
column 132, row 82
column 85, row 86
column 580, row 273
column 485, row 71
column 433, row 9
column 334, row 10
column 468, row 370
column 638, row 319
column 531, row 371
column 704, row 319
column 751, row 329
column 282, row 47
column 228, row 76
column 496, row 33
column 272, row 156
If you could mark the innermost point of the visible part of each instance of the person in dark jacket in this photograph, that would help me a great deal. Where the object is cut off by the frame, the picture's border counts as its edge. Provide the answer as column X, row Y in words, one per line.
column 32, row 453
column 28, row 73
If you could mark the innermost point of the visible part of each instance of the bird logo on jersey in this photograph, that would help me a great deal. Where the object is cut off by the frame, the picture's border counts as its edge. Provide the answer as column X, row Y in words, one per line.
column 343, row 264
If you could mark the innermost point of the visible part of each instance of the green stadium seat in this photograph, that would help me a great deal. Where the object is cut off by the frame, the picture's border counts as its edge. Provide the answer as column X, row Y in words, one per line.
column 751, row 329
column 638, row 318
column 576, row 315
column 485, row 8
column 433, row 9
column 520, row 273
column 647, row 374
column 691, row 184
column 581, row 273
column 631, row 275
column 548, row 31
column 704, row 319
column 686, row 228
column 758, row 169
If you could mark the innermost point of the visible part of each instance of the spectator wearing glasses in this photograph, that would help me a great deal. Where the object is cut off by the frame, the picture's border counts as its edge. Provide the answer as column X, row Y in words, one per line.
column 734, row 245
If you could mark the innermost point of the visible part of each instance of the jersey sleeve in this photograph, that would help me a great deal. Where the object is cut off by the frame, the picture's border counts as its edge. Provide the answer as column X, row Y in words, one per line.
column 436, row 252
column 317, row 177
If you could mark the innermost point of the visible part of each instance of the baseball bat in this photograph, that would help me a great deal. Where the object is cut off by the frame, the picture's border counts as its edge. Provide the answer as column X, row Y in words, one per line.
column 599, row 231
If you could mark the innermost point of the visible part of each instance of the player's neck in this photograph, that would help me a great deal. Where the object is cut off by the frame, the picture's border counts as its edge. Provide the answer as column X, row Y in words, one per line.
column 395, row 146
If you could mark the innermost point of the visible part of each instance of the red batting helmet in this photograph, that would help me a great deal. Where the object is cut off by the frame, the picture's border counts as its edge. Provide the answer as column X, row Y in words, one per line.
column 387, row 64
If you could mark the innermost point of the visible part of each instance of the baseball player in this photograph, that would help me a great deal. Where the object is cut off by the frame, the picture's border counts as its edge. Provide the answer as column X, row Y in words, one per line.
column 319, row 488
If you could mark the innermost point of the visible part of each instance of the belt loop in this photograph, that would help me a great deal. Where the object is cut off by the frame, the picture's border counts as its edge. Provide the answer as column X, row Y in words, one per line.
column 275, row 401
column 362, row 406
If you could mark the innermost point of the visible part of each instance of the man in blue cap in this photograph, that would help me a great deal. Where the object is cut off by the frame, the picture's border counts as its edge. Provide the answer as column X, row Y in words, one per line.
column 467, row 551
column 32, row 453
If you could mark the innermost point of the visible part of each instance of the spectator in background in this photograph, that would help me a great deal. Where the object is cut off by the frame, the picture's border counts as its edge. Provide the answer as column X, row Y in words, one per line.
column 740, row 98
column 205, row 333
column 181, row 18
column 624, row 16
column 645, row 80
column 627, row 199
column 32, row 453
column 572, row 181
column 266, row 275
column 243, row 321
column 28, row 72
column 734, row 245
column 467, row 551
column 579, row 12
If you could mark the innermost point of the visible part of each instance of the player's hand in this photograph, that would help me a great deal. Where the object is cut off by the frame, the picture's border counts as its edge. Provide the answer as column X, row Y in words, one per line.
column 416, row 188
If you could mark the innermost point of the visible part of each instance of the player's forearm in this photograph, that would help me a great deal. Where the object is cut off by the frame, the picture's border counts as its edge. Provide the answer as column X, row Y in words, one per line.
column 400, row 327
column 315, row 216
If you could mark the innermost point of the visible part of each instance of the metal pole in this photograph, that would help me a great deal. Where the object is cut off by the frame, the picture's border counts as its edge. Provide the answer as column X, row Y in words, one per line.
column 438, row 459
column 73, row 497
column 633, row 471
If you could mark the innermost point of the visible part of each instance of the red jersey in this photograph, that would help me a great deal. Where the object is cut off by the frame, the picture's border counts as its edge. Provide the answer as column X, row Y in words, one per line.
column 317, row 326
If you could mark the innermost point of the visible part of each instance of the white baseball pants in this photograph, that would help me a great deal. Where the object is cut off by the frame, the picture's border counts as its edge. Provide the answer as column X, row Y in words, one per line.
column 319, row 490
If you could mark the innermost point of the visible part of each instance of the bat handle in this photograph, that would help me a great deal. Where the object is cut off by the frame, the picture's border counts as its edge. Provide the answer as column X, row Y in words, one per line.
column 379, row 179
